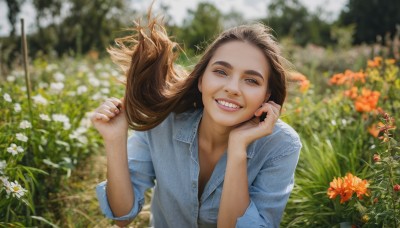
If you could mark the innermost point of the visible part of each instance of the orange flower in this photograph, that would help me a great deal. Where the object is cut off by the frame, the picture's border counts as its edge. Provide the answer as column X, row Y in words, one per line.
column 390, row 61
column 346, row 186
column 296, row 76
column 376, row 62
column 352, row 93
column 375, row 129
column 304, row 85
column 301, row 79
column 336, row 188
column 347, row 78
column 367, row 101
column 338, row 79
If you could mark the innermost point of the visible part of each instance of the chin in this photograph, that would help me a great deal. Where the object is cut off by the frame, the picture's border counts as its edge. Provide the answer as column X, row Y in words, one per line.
column 230, row 122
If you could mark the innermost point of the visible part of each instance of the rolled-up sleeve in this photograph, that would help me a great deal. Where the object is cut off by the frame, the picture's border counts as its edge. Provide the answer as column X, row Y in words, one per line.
column 270, row 191
column 141, row 172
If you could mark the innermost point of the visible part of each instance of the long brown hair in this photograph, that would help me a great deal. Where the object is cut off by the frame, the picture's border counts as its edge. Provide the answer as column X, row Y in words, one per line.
column 156, row 86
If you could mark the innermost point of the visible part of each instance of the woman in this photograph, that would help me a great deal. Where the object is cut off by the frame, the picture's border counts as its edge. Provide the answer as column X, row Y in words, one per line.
column 202, row 140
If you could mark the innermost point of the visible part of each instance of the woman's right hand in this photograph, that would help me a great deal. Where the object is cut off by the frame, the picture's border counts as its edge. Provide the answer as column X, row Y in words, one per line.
column 110, row 119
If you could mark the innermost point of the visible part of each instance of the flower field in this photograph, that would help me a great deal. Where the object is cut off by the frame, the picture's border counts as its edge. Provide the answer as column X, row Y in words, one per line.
column 42, row 143
column 349, row 170
column 346, row 110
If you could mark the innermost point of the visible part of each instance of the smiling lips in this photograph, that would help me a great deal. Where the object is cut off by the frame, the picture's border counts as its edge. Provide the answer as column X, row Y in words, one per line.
column 229, row 106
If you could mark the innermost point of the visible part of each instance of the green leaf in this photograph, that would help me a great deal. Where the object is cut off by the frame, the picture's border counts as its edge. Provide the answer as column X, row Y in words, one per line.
column 44, row 220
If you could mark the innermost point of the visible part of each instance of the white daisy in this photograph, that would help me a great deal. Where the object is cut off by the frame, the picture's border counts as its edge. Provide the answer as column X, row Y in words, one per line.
column 44, row 117
column 7, row 97
column 94, row 81
column 25, row 124
column 17, row 107
column 15, row 189
column 59, row 77
column 22, row 137
column 105, row 90
column 39, row 99
column 11, row 78
column 56, row 87
column 82, row 89
column 78, row 134
column 14, row 149
column 60, row 118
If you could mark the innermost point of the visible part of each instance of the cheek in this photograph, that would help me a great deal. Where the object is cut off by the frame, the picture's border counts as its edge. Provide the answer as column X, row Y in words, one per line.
column 257, row 98
column 209, row 84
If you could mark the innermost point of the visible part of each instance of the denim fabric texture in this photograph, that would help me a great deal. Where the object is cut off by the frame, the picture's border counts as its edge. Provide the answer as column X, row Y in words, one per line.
column 166, row 158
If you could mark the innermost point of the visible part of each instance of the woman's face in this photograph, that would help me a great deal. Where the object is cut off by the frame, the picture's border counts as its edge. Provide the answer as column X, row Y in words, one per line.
column 234, row 84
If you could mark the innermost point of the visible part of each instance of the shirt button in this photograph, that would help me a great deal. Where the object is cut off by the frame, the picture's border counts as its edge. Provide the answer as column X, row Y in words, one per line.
column 194, row 185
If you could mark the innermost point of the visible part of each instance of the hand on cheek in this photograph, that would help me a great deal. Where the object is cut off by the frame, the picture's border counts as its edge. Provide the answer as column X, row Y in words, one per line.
column 254, row 129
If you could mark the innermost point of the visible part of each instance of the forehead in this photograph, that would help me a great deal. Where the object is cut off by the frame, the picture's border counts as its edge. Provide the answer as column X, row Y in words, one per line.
column 242, row 56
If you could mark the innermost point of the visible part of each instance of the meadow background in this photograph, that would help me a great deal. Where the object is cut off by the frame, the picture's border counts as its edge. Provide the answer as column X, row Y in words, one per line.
column 344, row 101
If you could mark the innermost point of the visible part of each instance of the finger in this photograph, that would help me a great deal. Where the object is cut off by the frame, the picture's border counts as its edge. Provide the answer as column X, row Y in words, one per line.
column 110, row 105
column 270, row 120
column 263, row 108
column 277, row 106
column 275, row 110
column 272, row 108
column 100, row 116
column 118, row 102
column 106, row 110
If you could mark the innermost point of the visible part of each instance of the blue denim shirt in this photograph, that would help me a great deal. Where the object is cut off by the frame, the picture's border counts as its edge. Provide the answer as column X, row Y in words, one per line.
column 166, row 158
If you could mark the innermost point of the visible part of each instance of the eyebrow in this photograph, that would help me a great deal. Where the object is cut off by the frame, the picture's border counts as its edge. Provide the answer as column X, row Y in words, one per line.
column 229, row 66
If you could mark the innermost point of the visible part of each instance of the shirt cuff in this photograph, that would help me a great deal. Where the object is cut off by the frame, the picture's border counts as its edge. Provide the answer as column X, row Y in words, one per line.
column 105, row 207
column 251, row 218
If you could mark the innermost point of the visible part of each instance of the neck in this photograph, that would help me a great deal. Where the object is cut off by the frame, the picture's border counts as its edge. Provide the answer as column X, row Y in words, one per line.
column 212, row 135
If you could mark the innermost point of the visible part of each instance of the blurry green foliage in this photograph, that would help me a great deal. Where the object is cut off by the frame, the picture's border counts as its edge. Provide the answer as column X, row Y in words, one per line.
column 291, row 18
column 200, row 26
column 372, row 18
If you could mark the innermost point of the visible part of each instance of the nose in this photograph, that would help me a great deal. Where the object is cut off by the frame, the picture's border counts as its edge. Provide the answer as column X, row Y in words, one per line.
column 232, row 86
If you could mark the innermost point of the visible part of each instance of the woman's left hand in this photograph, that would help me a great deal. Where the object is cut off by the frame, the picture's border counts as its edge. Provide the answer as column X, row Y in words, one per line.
column 253, row 129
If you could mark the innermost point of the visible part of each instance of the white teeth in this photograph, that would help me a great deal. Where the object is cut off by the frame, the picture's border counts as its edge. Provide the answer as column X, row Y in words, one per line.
column 227, row 104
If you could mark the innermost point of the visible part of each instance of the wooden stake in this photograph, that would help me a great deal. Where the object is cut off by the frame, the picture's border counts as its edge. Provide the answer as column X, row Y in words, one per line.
column 29, row 153
column 27, row 77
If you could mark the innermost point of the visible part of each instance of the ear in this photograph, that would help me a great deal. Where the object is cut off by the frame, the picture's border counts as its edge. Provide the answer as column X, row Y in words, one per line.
column 199, row 84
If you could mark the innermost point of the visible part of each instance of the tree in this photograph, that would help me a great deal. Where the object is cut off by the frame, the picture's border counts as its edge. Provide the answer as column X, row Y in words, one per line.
column 232, row 18
column 89, row 25
column 200, row 26
column 14, row 8
column 291, row 18
column 372, row 18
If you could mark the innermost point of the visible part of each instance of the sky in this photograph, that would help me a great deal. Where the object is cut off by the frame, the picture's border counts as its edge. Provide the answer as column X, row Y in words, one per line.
column 250, row 9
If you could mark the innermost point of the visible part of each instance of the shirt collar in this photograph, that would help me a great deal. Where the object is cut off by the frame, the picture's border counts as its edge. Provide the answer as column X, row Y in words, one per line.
column 189, row 123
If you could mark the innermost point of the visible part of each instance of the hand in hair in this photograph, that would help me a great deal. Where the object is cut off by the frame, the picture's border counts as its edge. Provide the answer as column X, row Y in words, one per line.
column 109, row 119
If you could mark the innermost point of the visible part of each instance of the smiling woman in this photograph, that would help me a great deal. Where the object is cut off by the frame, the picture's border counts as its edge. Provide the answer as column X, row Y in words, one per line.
column 200, row 141
column 234, row 84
